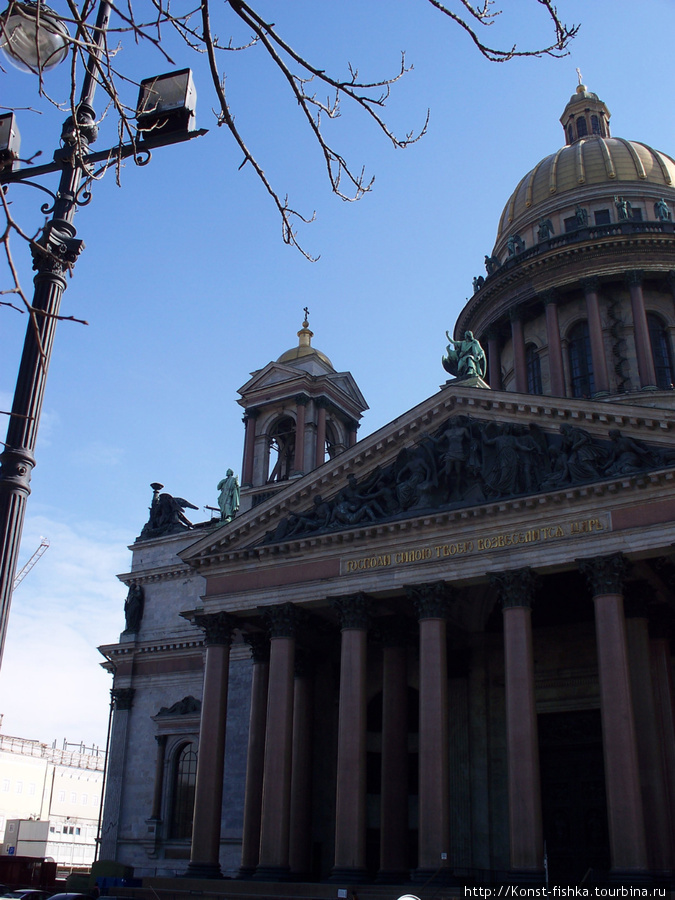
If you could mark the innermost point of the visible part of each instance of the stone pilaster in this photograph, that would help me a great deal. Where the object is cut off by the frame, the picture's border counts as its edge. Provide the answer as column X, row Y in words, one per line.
column 555, row 359
column 122, row 701
column 300, row 848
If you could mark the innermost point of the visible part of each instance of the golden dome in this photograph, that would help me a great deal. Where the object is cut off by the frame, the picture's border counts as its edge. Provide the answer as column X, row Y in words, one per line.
column 591, row 170
column 304, row 350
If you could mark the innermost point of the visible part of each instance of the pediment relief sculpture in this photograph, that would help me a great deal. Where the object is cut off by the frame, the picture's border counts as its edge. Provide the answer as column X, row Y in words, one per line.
column 466, row 462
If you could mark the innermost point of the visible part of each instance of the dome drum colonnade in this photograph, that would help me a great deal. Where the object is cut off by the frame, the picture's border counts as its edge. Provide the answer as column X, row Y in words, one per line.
column 582, row 275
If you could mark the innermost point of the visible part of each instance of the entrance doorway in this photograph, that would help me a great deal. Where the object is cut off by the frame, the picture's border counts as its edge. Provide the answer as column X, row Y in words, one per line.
column 573, row 797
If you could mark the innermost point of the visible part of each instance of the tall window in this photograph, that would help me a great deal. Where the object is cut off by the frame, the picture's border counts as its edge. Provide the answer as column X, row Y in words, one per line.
column 183, row 792
column 663, row 360
column 533, row 367
column 582, row 127
column 581, row 361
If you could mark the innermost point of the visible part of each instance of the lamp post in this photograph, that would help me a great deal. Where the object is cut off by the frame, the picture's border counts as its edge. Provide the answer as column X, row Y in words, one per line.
column 36, row 39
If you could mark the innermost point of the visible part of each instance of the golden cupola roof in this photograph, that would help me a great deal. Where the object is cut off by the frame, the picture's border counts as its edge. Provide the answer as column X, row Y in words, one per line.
column 590, row 170
column 304, row 351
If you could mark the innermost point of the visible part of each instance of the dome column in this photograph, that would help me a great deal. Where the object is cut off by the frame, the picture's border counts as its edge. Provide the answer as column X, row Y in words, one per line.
column 494, row 361
column 555, row 359
column 643, row 346
column 519, row 364
column 600, row 371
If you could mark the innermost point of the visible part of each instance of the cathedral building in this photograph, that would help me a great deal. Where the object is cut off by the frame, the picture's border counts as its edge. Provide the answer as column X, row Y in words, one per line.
column 441, row 651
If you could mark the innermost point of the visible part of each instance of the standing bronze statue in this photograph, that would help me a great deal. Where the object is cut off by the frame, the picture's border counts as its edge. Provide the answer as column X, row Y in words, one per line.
column 228, row 499
column 466, row 358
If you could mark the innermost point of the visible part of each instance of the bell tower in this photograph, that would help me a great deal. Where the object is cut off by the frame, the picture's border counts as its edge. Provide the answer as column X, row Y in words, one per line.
column 298, row 412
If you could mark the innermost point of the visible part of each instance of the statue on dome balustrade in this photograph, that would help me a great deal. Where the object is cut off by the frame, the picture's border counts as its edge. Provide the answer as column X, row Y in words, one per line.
column 662, row 211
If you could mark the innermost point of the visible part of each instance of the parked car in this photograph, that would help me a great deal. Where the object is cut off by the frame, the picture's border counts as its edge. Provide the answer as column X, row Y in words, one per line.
column 26, row 894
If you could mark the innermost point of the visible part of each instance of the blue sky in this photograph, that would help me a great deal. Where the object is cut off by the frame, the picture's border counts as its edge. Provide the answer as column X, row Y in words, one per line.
column 187, row 286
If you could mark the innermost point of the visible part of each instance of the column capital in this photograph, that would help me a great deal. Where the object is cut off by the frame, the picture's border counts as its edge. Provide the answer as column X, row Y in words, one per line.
column 352, row 424
column 322, row 402
column 353, row 610
column 301, row 399
column 515, row 314
column 492, row 333
column 516, row 587
column 252, row 413
column 161, row 739
column 123, row 698
column 217, row 627
column 605, row 574
column 260, row 646
column 590, row 285
column 431, row 601
column 282, row 621
column 661, row 622
column 634, row 276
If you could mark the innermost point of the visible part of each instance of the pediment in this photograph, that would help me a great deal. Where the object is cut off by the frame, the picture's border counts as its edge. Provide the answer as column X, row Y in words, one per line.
column 272, row 374
column 464, row 448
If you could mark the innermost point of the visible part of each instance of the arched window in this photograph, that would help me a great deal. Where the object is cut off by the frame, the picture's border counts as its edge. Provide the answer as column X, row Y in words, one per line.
column 663, row 360
column 282, row 450
column 595, row 124
column 533, row 368
column 570, row 134
column 183, row 792
column 582, row 127
column 581, row 361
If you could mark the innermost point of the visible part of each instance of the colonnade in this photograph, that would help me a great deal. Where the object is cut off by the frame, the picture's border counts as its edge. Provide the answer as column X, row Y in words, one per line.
column 277, row 817
column 550, row 299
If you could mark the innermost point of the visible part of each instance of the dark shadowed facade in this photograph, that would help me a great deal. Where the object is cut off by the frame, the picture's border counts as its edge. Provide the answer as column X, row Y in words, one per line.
column 447, row 645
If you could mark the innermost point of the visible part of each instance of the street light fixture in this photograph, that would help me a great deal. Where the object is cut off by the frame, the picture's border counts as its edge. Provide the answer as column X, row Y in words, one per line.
column 35, row 38
column 32, row 36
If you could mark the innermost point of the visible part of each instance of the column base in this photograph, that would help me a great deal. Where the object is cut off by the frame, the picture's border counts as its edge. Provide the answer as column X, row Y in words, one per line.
column 346, row 875
column 392, row 877
column 445, row 875
column 272, row 873
column 525, row 876
column 246, row 872
column 203, row 870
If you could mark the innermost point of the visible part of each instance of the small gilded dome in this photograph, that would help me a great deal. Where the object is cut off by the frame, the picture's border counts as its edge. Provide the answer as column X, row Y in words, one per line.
column 304, row 352
column 590, row 170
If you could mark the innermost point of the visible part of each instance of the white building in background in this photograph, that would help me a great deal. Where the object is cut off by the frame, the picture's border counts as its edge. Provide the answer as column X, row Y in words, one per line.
column 50, row 800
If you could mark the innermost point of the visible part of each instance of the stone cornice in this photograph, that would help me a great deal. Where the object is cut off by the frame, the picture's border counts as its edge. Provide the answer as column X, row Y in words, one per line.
column 656, row 425
column 164, row 573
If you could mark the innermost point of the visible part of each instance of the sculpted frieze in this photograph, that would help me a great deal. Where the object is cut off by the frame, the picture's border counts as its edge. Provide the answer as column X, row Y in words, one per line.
column 466, row 462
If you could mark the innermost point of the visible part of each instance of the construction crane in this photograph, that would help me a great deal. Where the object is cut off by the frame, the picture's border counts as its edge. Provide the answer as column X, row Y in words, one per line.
column 21, row 574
